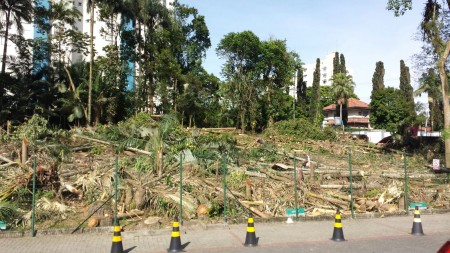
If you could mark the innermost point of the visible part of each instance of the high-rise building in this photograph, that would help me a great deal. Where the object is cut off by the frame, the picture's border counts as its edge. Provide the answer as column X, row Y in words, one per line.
column 326, row 71
column 104, row 33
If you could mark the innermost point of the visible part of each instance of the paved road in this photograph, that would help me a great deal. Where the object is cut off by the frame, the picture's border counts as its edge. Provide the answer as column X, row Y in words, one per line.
column 390, row 234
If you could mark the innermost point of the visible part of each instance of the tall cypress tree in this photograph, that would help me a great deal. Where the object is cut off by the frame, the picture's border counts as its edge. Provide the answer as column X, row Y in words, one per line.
column 301, row 90
column 406, row 88
column 315, row 98
column 342, row 68
column 378, row 77
column 336, row 67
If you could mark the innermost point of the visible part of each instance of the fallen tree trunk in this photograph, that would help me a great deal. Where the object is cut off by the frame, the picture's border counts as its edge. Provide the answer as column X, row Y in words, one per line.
column 276, row 177
column 342, row 204
column 7, row 160
column 254, row 210
column 109, row 143
column 130, row 214
column 411, row 176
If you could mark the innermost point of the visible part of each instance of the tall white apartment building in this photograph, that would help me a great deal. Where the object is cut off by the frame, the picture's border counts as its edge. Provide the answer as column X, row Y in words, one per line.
column 82, row 24
column 326, row 71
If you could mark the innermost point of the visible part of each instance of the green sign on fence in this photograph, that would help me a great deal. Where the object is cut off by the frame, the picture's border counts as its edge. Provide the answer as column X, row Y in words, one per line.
column 2, row 225
column 290, row 212
column 421, row 205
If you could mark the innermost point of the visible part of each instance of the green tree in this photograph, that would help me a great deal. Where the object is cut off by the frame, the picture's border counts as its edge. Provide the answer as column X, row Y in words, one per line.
column 406, row 88
column 315, row 110
column 14, row 11
column 277, row 66
column 378, row 77
column 430, row 84
column 91, row 10
column 200, row 101
column 342, row 89
column 56, row 17
column 336, row 67
column 188, row 40
column 389, row 109
column 342, row 68
column 242, row 52
column 301, row 90
column 434, row 29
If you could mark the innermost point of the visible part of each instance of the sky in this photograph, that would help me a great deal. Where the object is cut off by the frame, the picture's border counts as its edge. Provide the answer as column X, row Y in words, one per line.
column 363, row 30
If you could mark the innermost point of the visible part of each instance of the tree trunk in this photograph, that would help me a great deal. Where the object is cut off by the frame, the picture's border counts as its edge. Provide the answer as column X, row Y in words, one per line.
column 91, row 64
column 5, row 47
column 242, row 121
column 269, row 102
column 445, row 101
column 24, row 150
column 160, row 161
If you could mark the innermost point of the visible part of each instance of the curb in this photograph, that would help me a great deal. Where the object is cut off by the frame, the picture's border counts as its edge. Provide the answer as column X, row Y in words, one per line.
column 61, row 231
column 205, row 226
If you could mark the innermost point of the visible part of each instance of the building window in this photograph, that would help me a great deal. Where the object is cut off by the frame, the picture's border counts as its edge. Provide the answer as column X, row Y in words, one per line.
column 360, row 113
column 80, row 4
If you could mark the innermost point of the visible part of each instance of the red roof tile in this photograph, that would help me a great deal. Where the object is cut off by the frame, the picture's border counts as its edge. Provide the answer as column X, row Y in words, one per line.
column 352, row 103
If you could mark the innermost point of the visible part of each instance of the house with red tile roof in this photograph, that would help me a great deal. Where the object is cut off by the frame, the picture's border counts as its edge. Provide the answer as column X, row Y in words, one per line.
column 358, row 114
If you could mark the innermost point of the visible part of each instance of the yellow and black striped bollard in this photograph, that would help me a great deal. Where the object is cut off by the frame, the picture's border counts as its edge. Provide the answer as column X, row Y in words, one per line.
column 175, row 241
column 338, row 233
column 250, row 238
column 117, row 246
column 417, row 224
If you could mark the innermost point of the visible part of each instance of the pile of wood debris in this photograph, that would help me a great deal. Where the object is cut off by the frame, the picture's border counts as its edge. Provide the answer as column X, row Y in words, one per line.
column 265, row 187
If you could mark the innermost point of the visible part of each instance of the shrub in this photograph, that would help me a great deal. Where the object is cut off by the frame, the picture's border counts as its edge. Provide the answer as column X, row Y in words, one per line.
column 302, row 129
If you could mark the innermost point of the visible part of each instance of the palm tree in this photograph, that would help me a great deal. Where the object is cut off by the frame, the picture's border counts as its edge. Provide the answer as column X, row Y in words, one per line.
column 14, row 11
column 91, row 9
column 342, row 89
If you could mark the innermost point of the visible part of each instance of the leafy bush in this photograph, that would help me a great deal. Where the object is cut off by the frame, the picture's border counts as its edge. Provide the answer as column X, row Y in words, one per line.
column 8, row 211
column 133, row 125
column 302, row 129
column 33, row 129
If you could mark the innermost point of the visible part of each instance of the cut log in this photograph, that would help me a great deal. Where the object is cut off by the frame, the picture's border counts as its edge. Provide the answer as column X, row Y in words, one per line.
column 338, row 202
column 131, row 214
column 7, row 160
column 109, row 143
column 24, row 150
column 254, row 210
column 279, row 178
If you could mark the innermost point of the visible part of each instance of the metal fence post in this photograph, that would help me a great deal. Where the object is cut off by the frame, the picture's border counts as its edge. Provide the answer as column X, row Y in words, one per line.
column 295, row 187
column 405, row 165
column 116, row 182
column 181, row 188
column 33, row 204
column 224, row 168
column 351, row 183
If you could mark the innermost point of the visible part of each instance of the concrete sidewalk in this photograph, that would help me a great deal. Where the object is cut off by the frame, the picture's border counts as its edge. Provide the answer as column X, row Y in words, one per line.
column 390, row 234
